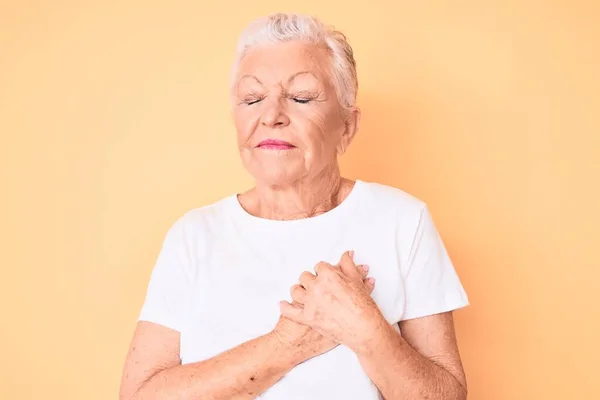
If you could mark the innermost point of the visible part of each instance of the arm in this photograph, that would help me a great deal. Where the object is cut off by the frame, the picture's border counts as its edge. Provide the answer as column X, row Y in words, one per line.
column 424, row 363
column 153, row 368
column 155, row 372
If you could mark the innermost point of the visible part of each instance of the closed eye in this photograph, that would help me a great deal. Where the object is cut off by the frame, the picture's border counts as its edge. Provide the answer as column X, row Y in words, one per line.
column 250, row 102
column 300, row 100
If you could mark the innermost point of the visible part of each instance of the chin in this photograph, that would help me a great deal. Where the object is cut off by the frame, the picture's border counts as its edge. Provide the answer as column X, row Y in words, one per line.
column 275, row 172
column 275, row 176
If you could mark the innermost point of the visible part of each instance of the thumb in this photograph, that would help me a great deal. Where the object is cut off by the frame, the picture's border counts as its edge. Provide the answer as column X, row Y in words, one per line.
column 293, row 312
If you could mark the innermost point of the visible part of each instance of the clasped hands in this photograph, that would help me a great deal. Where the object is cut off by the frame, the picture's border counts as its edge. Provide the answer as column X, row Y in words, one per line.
column 330, row 307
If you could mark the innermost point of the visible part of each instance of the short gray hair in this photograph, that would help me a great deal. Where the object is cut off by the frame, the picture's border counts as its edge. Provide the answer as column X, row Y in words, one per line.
column 281, row 27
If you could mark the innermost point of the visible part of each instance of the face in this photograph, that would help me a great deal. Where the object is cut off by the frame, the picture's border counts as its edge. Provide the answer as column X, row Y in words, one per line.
column 289, row 122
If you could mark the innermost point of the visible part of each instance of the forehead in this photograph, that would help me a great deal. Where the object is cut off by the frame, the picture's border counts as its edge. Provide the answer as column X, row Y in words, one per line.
column 276, row 63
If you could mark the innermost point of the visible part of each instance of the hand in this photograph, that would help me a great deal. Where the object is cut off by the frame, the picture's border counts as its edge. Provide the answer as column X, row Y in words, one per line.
column 303, row 339
column 336, row 303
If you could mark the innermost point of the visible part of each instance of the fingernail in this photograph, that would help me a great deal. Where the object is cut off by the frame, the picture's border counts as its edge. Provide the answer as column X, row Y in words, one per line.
column 351, row 254
column 372, row 280
column 365, row 267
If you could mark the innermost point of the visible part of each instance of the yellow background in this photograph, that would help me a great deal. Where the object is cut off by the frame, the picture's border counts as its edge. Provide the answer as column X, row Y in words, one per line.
column 114, row 121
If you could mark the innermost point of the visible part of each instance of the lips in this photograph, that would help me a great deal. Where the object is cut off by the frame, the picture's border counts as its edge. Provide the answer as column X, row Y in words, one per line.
column 271, row 144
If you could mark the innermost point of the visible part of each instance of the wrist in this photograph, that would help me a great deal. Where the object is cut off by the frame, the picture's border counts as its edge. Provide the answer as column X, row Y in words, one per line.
column 375, row 336
column 290, row 354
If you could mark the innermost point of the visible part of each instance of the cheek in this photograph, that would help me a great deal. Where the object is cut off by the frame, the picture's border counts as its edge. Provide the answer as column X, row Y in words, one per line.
column 324, row 131
column 244, row 123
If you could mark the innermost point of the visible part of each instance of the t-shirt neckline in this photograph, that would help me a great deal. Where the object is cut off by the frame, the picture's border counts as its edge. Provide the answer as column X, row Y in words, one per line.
column 341, row 210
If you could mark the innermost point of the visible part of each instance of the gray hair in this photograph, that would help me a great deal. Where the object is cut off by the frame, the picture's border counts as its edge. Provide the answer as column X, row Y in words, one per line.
column 281, row 27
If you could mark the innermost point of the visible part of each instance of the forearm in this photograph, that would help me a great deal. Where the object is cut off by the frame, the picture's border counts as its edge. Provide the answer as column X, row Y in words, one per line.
column 400, row 372
column 241, row 373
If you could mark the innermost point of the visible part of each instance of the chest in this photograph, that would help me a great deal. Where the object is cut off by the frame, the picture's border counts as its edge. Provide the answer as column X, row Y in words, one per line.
column 241, row 280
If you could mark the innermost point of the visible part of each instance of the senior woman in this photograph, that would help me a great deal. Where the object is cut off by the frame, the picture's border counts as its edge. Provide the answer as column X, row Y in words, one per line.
column 310, row 285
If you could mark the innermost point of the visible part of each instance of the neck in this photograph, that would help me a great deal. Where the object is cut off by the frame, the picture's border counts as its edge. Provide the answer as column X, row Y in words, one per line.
column 300, row 199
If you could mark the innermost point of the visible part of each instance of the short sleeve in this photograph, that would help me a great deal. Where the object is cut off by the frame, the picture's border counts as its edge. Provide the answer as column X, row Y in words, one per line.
column 168, row 295
column 431, row 283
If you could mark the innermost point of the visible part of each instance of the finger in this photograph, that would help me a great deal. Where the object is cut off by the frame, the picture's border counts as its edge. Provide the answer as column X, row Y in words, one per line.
column 369, row 284
column 363, row 270
column 291, row 312
column 322, row 268
column 298, row 294
column 307, row 279
column 297, row 305
column 347, row 257
column 347, row 263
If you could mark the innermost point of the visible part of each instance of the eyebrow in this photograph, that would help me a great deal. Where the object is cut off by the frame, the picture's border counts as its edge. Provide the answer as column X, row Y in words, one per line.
column 291, row 78
column 250, row 76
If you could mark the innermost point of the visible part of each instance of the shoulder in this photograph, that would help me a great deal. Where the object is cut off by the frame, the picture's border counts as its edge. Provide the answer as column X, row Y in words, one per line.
column 200, row 221
column 405, row 213
column 392, row 199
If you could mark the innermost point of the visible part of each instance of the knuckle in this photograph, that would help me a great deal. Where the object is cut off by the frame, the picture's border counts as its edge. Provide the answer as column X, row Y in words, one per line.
column 320, row 289
column 321, row 266
column 305, row 276
column 324, row 268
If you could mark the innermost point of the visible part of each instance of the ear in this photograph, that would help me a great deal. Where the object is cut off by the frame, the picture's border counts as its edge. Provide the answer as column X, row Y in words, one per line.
column 351, row 128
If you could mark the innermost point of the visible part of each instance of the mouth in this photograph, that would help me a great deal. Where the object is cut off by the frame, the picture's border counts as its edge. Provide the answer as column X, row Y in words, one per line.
column 271, row 144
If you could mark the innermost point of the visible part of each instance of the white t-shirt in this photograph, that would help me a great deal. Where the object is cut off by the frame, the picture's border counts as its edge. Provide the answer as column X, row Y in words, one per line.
column 221, row 273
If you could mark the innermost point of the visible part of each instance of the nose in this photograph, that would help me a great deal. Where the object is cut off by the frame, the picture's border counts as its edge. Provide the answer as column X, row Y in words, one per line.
column 274, row 114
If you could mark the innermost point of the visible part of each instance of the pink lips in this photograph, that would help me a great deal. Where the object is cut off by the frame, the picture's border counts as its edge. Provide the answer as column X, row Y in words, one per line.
column 271, row 144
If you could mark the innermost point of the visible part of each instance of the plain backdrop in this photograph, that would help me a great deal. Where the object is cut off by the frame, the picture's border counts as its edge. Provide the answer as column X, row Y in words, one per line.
column 114, row 121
